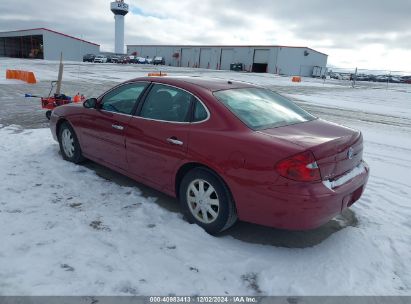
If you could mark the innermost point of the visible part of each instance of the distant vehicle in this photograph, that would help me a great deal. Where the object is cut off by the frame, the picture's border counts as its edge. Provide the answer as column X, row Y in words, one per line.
column 236, row 67
column 159, row 60
column 406, row 79
column 132, row 59
column 141, row 60
column 115, row 59
column 100, row 59
column 394, row 79
column 89, row 58
column 381, row 78
column 149, row 60
column 123, row 59
column 388, row 78
column 372, row 77
column 195, row 139
column 363, row 77
column 335, row 76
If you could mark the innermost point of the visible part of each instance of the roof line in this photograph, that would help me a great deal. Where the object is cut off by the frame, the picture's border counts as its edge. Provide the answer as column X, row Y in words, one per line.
column 52, row 31
column 224, row 46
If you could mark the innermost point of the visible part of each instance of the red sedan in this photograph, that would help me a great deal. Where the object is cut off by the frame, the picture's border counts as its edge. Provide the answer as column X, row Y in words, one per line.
column 227, row 150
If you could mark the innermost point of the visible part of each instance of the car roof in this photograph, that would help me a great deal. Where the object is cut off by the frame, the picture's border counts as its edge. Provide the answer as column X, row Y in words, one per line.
column 208, row 83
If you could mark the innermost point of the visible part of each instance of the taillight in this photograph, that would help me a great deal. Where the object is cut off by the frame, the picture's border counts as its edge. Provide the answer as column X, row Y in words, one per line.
column 300, row 167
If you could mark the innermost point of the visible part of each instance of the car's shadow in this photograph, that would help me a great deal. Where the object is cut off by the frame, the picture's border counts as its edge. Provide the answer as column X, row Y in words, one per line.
column 246, row 232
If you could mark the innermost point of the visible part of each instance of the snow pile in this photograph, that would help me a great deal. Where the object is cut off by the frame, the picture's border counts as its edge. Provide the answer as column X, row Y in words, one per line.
column 97, row 72
column 66, row 231
column 385, row 102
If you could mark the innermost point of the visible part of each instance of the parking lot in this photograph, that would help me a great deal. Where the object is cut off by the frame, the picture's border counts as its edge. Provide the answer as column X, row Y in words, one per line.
column 70, row 229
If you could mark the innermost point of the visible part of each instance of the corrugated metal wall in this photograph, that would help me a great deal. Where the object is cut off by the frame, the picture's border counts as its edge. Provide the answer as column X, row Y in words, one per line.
column 54, row 43
column 280, row 60
column 227, row 58
column 72, row 49
column 205, row 58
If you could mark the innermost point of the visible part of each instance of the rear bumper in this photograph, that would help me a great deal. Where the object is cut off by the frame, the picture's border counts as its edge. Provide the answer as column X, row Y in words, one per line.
column 299, row 206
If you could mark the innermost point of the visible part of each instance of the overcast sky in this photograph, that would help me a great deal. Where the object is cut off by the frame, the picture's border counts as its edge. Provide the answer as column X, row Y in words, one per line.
column 373, row 34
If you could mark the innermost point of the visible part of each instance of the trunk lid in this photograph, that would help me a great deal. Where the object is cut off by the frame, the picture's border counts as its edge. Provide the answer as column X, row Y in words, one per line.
column 336, row 148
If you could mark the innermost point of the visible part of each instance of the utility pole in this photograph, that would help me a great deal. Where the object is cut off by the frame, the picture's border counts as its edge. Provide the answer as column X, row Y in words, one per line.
column 60, row 77
column 354, row 78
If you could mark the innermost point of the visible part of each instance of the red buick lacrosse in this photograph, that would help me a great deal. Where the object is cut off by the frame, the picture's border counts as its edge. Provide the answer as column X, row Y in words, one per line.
column 226, row 150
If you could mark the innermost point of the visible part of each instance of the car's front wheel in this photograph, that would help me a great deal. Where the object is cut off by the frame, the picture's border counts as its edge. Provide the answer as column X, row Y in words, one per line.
column 69, row 144
column 206, row 201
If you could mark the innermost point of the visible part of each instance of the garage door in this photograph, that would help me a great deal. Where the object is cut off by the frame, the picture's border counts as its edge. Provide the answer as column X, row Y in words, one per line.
column 260, row 62
column 227, row 58
column 261, row 56
column 205, row 58
column 186, row 55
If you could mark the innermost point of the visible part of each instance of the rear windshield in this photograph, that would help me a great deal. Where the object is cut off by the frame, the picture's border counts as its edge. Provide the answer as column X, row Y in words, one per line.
column 261, row 108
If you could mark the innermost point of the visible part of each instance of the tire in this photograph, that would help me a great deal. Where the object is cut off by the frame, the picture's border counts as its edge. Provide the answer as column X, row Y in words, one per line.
column 206, row 201
column 69, row 145
column 48, row 114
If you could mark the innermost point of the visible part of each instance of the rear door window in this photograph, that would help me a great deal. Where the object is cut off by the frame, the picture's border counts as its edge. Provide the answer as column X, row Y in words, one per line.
column 167, row 103
column 200, row 112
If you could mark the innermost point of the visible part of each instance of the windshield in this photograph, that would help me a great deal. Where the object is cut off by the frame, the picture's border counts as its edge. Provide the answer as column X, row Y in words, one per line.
column 261, row 108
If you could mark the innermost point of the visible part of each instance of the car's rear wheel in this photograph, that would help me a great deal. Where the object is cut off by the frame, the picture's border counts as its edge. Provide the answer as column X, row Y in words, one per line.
column 69, row 144
column 206, row 201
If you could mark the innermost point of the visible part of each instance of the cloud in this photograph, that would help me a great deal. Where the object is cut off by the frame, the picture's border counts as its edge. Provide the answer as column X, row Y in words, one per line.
column 339, row 28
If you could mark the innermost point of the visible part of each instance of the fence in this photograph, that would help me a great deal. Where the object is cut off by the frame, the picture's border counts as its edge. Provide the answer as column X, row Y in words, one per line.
column 355, row 77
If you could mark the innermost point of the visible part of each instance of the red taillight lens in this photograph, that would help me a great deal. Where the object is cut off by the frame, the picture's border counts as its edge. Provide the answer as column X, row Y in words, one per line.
column 300, row 167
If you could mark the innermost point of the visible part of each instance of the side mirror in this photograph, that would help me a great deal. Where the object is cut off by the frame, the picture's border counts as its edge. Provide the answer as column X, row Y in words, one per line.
column 90, row 103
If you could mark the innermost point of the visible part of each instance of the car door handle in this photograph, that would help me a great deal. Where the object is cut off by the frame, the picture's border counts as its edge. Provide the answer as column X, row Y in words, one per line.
column 175, row 141
column 117, row 127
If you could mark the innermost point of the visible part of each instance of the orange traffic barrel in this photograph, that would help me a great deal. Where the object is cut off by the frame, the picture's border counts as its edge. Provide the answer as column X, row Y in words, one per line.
column 156, row 74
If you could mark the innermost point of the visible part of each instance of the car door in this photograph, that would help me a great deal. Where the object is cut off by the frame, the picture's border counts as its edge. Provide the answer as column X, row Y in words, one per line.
column 104, row 127
column 157, row 137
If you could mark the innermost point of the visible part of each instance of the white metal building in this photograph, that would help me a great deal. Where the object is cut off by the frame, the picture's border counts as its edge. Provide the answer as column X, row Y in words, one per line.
column 42, row 43
column 285, row 60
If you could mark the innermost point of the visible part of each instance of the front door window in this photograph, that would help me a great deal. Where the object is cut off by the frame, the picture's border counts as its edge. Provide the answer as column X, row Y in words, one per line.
column 123, row 99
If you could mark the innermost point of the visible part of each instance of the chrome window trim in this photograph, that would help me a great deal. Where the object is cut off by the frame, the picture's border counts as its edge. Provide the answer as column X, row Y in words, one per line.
column 178, row 122
column 111, row 112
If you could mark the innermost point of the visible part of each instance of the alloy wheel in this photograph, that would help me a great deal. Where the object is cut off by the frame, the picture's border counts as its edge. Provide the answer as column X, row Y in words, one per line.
column 202, row 200
column 67, row 141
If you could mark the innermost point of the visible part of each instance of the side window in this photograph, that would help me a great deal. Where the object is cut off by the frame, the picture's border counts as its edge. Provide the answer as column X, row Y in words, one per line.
column 123, row 99
column 166, row 103
column 200, row 113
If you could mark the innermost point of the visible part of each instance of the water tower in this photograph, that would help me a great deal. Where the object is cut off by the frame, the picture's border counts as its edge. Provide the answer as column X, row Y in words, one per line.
column 119, row 9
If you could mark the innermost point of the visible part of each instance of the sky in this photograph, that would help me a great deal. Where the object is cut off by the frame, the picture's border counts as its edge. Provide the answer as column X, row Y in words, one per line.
column 371, row 34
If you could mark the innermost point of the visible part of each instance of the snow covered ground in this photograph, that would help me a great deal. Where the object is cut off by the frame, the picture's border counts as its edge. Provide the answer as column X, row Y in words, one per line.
column 65, row 230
